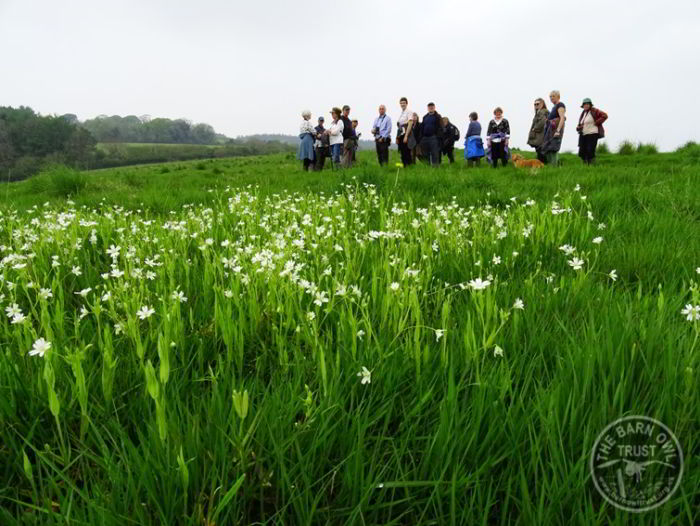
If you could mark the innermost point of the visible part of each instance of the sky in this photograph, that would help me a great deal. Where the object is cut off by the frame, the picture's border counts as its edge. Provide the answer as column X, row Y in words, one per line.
column 253, row 66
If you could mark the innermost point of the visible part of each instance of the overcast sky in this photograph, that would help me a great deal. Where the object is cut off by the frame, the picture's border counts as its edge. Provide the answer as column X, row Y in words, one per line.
column 252, row 66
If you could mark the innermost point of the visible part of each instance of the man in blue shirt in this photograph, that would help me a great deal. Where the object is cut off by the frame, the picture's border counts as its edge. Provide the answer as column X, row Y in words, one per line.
column 382, row 135
column 432, row 135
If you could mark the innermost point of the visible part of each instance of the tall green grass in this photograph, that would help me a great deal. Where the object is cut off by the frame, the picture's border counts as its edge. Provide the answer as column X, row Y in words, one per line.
column 266, row 346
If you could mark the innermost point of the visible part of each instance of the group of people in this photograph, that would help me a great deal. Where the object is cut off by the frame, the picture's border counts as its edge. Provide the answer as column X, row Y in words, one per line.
column 432, row 137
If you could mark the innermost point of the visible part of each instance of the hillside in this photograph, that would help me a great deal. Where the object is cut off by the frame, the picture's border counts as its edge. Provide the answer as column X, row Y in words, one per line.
column 235, row 341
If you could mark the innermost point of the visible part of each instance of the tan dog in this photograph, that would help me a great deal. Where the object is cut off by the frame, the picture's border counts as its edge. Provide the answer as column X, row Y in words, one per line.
column 520, row 162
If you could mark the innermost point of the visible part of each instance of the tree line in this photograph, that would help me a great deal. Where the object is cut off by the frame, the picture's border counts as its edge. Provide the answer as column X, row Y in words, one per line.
column 145, row 129
column 30, row 141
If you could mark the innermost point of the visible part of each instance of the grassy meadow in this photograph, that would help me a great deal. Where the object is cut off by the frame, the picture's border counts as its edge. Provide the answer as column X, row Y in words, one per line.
column 235, row 341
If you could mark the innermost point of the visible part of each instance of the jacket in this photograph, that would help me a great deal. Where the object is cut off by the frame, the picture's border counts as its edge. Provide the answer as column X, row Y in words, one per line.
column 536, row 136
column 450, row 136
column 439, row 130
column 347, row 128
column 502, row 127
column 599, row 116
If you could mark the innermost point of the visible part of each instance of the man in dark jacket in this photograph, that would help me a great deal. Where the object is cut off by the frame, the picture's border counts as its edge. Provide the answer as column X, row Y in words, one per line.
column 348, row 137
column 449, row 137
column 321, row 147
column 432, row 132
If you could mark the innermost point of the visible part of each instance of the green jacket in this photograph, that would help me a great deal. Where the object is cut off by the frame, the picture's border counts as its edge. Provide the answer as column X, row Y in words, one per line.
column 536, row 135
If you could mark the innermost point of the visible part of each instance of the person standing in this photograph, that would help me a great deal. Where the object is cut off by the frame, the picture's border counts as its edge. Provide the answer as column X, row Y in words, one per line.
column 449, row 137
column 497, row 135
column 381, row 129
column 307, row 134
column 335, row 135
column 355, row 139
column 348, row 141
column 554, row 131
column 590, row 129
column 536, row 136
column 413, row 138
column 404, row 124
column 321, row 146
column 473, row 145
column 432, row 135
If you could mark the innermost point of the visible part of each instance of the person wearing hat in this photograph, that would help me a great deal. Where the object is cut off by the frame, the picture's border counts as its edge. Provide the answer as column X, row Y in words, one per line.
column 321, row 146
column 432, row 132
column 335, row 135
column 590, row 129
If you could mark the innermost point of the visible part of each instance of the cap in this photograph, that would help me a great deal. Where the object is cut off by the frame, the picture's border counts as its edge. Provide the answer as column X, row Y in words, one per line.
column 321, row 119
column 431, row 104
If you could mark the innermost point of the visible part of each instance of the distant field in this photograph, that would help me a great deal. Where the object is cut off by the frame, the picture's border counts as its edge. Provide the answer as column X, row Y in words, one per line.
column 125, row 154
column 110, row 146
column 235, row 341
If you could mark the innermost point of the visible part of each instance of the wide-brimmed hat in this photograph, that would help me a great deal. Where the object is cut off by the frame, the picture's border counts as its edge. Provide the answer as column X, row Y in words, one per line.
column 587, row 101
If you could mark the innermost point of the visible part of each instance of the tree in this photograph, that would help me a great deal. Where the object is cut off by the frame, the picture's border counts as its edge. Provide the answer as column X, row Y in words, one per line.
column 203, row 134
column 29, row 140
column 70, row 117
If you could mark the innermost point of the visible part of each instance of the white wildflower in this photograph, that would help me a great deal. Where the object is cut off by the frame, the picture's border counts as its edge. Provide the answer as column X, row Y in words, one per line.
column 45, row 294
column 145, row 312
column 18, row 318
column 366, row 375
column 691, row 312
column 576, row 263
column 479, row 284
column 40, row 347
column 567, row 249
column 179, row 296
column 13, row 310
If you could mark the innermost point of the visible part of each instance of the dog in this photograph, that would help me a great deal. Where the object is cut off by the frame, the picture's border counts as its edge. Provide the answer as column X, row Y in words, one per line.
column 520, row 162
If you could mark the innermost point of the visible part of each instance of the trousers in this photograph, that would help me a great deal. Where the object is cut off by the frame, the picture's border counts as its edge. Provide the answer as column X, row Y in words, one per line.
column 587, row 145
column 430, row 146
column 382, row 147
column 498, row 151
column 404, row 150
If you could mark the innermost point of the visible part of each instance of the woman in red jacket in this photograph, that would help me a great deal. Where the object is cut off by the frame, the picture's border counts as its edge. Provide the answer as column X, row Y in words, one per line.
column 590, row 129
